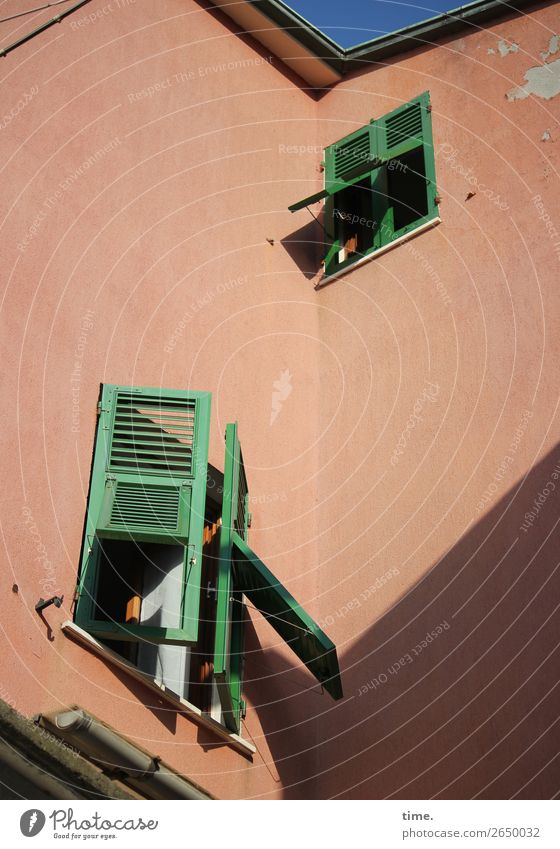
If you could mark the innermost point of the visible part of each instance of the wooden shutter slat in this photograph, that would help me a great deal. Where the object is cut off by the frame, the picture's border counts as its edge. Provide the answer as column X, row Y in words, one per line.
column 147, row 485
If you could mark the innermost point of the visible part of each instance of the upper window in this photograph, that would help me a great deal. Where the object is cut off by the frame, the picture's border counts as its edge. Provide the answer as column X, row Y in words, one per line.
column 166, row 564
column 379, row 185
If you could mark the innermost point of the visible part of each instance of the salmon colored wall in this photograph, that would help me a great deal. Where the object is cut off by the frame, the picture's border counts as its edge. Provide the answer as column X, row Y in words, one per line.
column 153, row 266
column 460, row 327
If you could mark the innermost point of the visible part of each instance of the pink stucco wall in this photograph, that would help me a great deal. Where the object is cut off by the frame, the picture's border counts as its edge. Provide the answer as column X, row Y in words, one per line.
column 151, row 265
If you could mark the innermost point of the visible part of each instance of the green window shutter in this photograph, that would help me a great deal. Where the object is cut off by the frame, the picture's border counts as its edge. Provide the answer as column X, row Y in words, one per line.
column 331, row 259
column 346, row 162
column 286, row 616
column 228, row 639
column 403, row 129
column 379, row 184
column 349, row 164
column 349, row 159
column 241, row 572
column 301, row 204
column 149, row 467
column 404, row 188
column 148, row 485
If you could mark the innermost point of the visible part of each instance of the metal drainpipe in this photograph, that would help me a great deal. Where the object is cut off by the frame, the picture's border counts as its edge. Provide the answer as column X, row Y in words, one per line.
column 112, row 752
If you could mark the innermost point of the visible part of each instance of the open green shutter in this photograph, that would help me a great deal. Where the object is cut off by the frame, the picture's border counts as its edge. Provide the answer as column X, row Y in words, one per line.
column 286, row 616
column 346, row 162
column 149, row 466
column 229, row 610
column 301, row 204
column 348, row 159
column 350, row 165
column 403, row 129
column 404, row 188
column 241, row 572
column 148, row 485
column 392, row 160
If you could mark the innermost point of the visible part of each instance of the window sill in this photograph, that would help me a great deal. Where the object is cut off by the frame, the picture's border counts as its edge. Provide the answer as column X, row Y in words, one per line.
column 368, row 257
column 182, row 705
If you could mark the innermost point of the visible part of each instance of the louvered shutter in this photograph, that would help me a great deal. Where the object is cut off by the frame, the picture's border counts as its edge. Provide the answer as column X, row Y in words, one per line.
column 149, row 468
column 371, row 154
column 241, row 573
column 346, row 162
column 349, row 159
column 403, row 140
column 288, row 618
column 148, row 485
column 403, row 129
column 229, row 609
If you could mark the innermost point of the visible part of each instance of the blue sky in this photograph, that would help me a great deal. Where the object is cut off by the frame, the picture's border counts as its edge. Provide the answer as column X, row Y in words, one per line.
column 348, row 22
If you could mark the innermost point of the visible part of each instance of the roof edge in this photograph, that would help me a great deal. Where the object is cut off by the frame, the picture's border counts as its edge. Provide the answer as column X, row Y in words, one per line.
column 428, row 31
column 327, row 53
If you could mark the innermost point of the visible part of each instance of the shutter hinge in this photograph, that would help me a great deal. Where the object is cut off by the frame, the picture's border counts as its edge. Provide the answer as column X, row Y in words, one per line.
column 249, row 519
column 429, row 107
column 243, row 708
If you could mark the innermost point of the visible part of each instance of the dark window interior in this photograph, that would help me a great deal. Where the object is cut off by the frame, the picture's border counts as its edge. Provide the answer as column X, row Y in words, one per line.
column 349, row 206
column 406, row 188
column 121, row 564
column 121, row 568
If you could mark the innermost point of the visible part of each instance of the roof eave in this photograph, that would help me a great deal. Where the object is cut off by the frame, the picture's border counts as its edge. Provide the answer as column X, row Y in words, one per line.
column 316, row 59
column 426, row 33
column 321, row 62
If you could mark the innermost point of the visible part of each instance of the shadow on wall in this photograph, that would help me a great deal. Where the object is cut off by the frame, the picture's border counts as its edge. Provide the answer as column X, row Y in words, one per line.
column 263, row 52
column 166, row 715
column 453, row 693
column 307, row 247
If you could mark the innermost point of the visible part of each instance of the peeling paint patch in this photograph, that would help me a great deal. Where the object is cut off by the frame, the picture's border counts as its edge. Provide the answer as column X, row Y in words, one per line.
column 546, row 136
column 544, row 81
column 505, row 48
column 553, row 47
column 491, row 51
